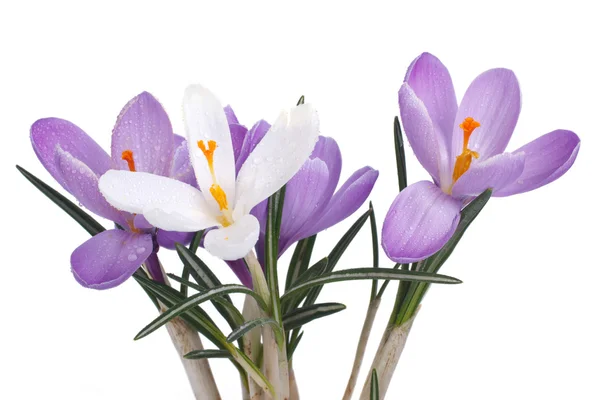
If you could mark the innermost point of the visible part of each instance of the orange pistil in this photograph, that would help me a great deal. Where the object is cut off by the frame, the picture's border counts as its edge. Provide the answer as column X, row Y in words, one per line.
column 209, row 154
column 127, row 155
column 463, row 161
column 219, row 195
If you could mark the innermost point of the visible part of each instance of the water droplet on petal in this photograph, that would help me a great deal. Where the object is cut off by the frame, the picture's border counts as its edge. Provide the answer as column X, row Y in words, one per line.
column 132, row 257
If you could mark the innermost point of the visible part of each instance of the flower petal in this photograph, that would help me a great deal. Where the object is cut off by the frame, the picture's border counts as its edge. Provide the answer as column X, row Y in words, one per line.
column 240, row 270
column 238, row 134
column 547, row 158
column 328, row 150
column 495, row 172
column 166, row 203
column 205, row 120
column 181, row 168
column 277, row 158
column 494, row 100
column 167, row 239
column 419, row 222
column 432, row 84
column 344, row 202
column 143, row 127
column 82, row 183
column 234, row 241
column 421, row 134
column 252, row 138
column 48, row 133
column 109, row 258
column 305, row 197
column 230, row 115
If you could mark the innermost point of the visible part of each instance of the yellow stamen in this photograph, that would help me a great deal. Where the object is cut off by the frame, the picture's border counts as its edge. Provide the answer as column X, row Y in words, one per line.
column 463, row 161
column 127, row 155
column 209, row 154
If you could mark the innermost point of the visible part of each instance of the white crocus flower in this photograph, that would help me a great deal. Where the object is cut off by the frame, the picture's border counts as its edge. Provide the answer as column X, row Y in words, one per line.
column 222, row 201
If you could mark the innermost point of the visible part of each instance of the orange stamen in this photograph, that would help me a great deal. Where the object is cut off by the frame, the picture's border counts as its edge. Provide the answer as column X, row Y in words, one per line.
column 209, row 153
column 127, row 155
column 463, row 161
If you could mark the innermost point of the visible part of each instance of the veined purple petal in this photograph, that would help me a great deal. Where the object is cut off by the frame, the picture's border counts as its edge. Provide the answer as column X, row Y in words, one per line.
column 230, row 115
column 496, row 172
column 419, row 222
column 167, row 239
column 547, row 158
column 238, row 134
column 424, row 139
column 494, row 100
column 432, row 84
column 181, row 167
column 143, row 128
column 328, row 150
column 346, row 200
column 109, row 258
column 252, row 138
column 48, row 133
column 305, row 197
column 240, row 270
column 82, row 183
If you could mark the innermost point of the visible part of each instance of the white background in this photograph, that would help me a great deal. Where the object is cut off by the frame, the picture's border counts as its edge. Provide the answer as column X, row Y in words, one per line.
column 524, row 325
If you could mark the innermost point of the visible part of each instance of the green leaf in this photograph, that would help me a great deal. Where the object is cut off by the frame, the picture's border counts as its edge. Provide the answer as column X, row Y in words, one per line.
column 193, row 301
column 407, row 306
column 312, row 272
column 369, row 273
column 185, row 273
column 374, row 385
column 301, row 100
column 274, row 211
column 400, row 156
column 248, row 326
column 375, row 244
column 84, row 219
column 198, row 354
column 337, row 252
column 300, row 260
column 304, row 315
column 293, row 345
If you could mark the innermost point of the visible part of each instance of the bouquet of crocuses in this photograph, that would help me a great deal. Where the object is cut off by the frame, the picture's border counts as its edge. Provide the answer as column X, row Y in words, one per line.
column 248, row 195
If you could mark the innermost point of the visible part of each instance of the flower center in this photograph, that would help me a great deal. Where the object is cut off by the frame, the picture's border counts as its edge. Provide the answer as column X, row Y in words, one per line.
column 127, row 155
column 463, row 161
column 216, row 191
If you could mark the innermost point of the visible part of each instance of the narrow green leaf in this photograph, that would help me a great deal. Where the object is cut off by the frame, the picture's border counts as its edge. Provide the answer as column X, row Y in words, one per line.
column 294, row 344
column 249, row 325
column 337, row 252
column 374, row 385
column 400, row 156
column 304, row 315
column 314, row 271
column 301, row 100
column 300, row 260
column 375, row 244
column 369, row 273
column 193, row 301
column 185, row 273
column 209, row 353
column 84, row 219
column 274, row 212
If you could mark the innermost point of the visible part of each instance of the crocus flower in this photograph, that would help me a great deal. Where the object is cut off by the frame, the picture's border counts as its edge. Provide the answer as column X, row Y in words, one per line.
column 462, row 148
column 142, row 141
column 310, row 205
column 223, row 200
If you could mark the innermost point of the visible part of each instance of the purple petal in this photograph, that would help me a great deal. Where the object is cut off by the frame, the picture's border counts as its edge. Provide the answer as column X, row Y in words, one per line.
column 424, row 139
column 177, row 140
column 496, row 172
column 48, row 133
column 167, row 239
column 305, row 197
column 547, row 158
column 238, row 134
column 419, row 222
column 82, row 183
column 252, row 138
column 143, row 128
column 344, row 202
column 140, row 222
column 494, row 100
column 432, row 84
column 109, row 258
column 230, row 115
column 240, row 270
column 181, row 167
column 328, row 150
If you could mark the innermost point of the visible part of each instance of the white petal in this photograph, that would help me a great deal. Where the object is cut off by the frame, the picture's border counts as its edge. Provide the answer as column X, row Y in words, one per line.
column 141, row 192
column 277, row 158
column 205, row 120
column 235, row 241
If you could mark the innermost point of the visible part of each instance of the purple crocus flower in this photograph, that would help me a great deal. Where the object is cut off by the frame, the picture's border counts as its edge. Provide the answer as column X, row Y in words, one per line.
column 142, row 140
column 462, row 148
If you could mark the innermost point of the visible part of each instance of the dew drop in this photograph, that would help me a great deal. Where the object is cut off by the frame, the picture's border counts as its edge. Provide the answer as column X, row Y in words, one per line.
column 132, row 257
column 140, row 250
